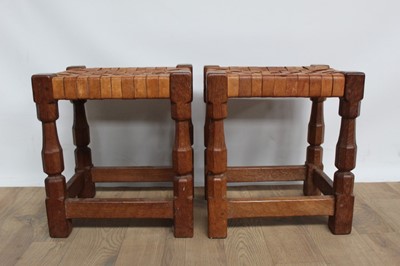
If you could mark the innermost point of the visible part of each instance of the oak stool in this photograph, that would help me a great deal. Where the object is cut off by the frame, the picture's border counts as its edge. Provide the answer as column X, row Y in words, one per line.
column 322, row 196
column 76, row 198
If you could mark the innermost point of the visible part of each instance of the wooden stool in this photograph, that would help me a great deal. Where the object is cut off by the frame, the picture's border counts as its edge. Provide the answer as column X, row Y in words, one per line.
column 75, row 199
column 315, row 82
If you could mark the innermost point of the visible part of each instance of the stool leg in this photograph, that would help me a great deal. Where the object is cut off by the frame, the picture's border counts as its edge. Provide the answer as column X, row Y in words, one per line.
column 56, row 191
column 216, row 156
column 182, row 155
column 83, row 156
column 346, row 150
column 314, row 150
column 52, row 157
column 53, row 165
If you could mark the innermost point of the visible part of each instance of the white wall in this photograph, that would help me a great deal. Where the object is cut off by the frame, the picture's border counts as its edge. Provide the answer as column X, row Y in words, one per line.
column 46, row 36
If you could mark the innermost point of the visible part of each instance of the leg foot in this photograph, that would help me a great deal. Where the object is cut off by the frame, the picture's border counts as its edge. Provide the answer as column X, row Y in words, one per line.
column 183, row 206
column 217, row 207
column 59, row 225
column 341, row 222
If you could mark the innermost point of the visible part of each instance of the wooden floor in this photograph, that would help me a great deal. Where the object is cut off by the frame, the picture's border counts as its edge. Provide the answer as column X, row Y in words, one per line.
column 375, row 239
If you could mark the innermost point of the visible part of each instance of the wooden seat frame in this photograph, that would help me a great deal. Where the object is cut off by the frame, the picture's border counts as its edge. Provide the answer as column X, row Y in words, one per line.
column 75, row 198
column 337, row 199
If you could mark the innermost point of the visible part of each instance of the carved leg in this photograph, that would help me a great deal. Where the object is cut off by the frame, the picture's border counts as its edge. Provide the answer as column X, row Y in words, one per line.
column 346, row 150
column 190, row 67
column 83, row 156
column 315, row 139
column 216, row 156
column 181, row 97
column 52, row 156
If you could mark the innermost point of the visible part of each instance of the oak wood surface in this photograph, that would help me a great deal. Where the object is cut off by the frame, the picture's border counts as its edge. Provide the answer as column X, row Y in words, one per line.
column 132, row 174
column 315, row 137
column 346, row 152
column 118, row 208
column 280, row 207
column 182, row 152
column 83, row 154
column 52, row 156
column 265, row 173
column 322, row 182
column 268, row 241
column 75, row 184
column 216, row 154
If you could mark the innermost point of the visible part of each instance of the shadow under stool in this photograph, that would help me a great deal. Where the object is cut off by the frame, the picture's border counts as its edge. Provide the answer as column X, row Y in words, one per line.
column 322, row 196
column 76, row 198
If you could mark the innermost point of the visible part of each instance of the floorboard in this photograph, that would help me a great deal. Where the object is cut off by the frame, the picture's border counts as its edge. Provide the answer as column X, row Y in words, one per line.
column 375, row 239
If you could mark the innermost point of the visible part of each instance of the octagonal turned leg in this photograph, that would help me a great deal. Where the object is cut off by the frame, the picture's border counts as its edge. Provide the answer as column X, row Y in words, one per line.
column 83, row 155
column 216, row 156
column 315, row 138
column 346, row 150
column 182, row 156
column 52, row 156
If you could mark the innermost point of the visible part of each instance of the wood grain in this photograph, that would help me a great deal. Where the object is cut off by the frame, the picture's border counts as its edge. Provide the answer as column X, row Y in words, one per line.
column 366, row 218
column 52, row 157
column 346, row 150
column 75, row 184
column 265, row 241
column 83, row 154
column 182, row 152
column 38, row 253
column 387, row 244
column 246, row 243
column 322, row 181
column 215, row 250
column 265, row 173
column 280, row 207
column 216, row 154
column 118, row 208
column 143, row 245
column 132, row 174
column 94, row 246
column 289, row 245
column 144, row 240
column 343, row 250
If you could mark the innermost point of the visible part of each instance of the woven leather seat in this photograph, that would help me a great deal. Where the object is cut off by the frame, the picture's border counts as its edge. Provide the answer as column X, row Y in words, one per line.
column 113, row 83
column 312, row 81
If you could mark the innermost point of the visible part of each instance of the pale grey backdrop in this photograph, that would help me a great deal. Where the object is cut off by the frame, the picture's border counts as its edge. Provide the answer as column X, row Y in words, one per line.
column 46, row 36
